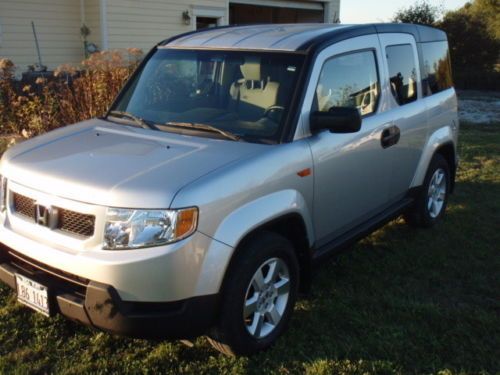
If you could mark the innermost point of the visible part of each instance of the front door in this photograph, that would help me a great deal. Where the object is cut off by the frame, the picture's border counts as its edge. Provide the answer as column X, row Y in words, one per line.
column 351, row 171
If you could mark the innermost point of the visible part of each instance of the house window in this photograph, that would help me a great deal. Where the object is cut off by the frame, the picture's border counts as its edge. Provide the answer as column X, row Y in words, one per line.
column 204, row 17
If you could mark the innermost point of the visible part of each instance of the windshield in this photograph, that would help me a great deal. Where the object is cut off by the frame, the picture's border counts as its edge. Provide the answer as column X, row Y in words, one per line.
column 246, row 94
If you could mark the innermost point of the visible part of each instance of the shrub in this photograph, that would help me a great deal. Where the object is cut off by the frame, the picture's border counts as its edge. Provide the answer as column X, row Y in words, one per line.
column 71, row 94
column 94, row 87
column 8, row 95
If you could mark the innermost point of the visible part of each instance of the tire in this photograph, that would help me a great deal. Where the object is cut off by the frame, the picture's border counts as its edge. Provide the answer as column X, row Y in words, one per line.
column 270, row 300
column 425, row 213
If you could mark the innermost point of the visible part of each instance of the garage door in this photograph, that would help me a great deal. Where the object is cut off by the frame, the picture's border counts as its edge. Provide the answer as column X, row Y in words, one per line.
column 243, row 12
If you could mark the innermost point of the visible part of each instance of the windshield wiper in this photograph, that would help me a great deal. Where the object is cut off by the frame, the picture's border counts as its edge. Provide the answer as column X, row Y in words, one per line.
column 204, row 127
column 137, row 120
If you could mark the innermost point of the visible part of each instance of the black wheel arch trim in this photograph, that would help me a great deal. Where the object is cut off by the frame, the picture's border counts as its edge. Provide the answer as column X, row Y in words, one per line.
column 300, row 243
column 451, row 159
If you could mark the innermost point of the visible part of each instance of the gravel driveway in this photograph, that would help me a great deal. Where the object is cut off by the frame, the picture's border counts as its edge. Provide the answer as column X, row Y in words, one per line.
column 479, row 106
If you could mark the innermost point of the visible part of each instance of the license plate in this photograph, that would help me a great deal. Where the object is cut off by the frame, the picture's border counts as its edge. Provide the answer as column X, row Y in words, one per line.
column 32, row 294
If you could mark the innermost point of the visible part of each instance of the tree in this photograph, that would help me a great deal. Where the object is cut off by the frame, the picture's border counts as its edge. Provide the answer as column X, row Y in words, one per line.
column 489, row 12
column 474, row 39
column 471, row 46
column 422, row 13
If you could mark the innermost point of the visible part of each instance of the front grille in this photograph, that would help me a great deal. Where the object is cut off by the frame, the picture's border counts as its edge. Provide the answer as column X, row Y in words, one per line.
column 24, row 206
column 76, row 223
column 67, row 220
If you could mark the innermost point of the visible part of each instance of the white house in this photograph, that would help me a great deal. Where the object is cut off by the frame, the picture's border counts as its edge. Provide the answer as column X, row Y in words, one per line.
column 116, row 24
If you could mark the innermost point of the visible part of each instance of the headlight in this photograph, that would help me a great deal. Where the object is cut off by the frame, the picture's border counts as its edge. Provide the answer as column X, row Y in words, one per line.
column 3, row 193
column 132, row 229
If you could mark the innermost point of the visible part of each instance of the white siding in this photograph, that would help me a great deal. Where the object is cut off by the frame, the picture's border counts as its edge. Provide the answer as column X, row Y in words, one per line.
column 130, row 23
column 143, row 23
column 93, row 21
column 58, row 28
column 333, row 10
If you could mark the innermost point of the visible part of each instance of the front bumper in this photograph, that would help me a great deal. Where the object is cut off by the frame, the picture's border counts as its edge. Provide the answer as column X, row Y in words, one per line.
column 99, row 305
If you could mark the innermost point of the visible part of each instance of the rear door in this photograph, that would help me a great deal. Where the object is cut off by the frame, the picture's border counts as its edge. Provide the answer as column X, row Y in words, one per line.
column 351, row 171
column 406, row 108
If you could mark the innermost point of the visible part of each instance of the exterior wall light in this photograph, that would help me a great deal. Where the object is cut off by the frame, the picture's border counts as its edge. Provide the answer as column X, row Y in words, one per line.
column 186, row 17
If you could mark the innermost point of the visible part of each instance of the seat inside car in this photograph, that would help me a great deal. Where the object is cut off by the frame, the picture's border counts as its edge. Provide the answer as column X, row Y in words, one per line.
column 252, row 94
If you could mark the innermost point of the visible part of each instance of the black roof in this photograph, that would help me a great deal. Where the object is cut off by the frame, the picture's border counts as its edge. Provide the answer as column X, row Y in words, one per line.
column 421, row 33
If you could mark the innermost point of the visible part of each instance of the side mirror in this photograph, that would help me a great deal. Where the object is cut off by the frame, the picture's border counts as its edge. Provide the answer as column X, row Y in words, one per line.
column 337, row 120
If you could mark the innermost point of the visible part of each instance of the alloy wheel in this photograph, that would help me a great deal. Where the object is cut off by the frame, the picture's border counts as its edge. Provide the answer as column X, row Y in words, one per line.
column 266, row 298
column 436, row 193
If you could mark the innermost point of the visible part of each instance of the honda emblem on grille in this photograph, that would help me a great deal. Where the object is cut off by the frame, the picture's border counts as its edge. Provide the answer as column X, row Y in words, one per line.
column 46, row 216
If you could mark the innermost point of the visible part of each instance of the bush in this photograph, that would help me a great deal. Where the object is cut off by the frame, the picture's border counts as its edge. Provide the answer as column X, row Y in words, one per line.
column 71, row 94
column 421, row 12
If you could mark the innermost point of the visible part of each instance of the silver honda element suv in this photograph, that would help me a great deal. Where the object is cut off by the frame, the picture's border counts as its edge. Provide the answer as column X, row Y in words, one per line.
column 230, row 163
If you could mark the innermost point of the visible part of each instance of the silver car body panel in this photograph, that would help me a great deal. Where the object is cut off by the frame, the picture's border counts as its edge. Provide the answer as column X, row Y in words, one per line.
column 443, row 124
column 240, row 197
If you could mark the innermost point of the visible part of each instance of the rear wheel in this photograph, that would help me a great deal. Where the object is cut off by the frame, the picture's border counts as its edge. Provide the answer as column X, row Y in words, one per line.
column 431, row 203
column 259, row 296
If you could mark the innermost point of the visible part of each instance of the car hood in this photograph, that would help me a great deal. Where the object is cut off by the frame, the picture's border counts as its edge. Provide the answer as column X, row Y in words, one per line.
column 115, row 165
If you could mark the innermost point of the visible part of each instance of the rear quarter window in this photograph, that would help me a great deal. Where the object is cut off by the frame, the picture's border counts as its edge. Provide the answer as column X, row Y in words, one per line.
column 402, row 73
column 436, row 67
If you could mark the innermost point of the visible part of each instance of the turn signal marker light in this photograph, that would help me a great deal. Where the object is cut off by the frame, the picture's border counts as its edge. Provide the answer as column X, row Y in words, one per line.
column 304, row 173
column 187, row 220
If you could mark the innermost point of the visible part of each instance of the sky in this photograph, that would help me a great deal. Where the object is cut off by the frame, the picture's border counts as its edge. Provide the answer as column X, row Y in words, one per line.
column 363, row 11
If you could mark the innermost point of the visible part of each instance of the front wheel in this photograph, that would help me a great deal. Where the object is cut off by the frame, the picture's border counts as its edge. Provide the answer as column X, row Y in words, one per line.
column 431, row 203
column 258, row 297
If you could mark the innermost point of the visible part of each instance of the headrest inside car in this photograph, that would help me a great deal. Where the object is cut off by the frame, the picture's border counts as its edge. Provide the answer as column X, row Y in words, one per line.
column 251, row 69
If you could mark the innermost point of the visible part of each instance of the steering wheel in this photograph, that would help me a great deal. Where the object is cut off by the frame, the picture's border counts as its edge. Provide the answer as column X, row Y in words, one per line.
column 203, row 89
column 272, row 109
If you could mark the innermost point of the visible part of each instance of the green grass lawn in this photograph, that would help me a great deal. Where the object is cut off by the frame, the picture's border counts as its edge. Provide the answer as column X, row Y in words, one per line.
column 403, row 301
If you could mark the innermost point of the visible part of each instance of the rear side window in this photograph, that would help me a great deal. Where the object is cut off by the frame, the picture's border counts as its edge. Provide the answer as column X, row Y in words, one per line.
column 402, row 73
column 437, row 69
column 349, row 80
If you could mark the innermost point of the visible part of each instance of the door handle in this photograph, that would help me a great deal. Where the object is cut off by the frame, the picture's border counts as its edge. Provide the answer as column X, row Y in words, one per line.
column 390, row 136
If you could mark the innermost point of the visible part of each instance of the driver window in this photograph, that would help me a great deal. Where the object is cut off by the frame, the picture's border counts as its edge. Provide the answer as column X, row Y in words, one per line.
column 349, row 81
column 174, row 81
